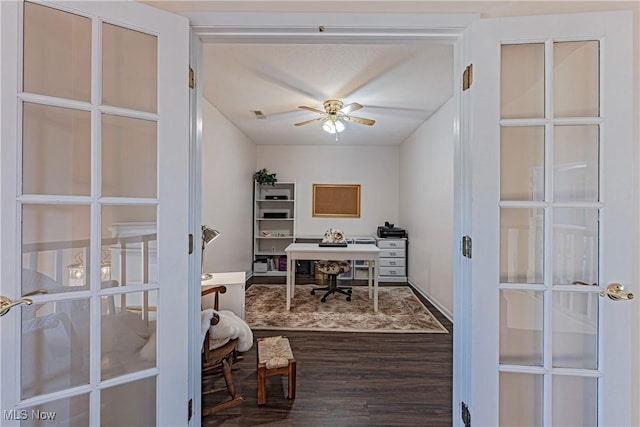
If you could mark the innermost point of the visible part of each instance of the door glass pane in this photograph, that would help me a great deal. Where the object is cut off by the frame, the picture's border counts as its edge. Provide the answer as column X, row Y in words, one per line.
column 71, row 412
column 128, row 241
column 575, row 245
column 522, row 81
column 55, row 248
column 520, row 399
column 57, row 53
column 55, row 346
column 129, row 157
column 132, row 404
column 575, row 323
column 128, row 340
column 521, row 327
column 575, row 401
column 576, row 73
column 129, row 68
column 56, row 155
column 576, row 161
column 522, row 163
column 521, row 239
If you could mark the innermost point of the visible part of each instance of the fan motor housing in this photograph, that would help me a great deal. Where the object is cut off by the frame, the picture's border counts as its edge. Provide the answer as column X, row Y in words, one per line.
column 332, row 106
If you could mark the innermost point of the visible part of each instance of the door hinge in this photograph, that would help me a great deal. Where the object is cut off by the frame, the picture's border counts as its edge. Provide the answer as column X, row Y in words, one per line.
column 192, row 78
column 467, row 77
column 466, row 246
column 466, row 415
column 190, row 409
column 190, row 243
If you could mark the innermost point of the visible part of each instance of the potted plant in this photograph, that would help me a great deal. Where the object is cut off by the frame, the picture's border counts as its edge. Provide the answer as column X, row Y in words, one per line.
column 263, row 177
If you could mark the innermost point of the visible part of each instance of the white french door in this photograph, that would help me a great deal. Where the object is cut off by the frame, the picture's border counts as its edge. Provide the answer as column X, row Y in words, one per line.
column 94, row 225
column 553, row 220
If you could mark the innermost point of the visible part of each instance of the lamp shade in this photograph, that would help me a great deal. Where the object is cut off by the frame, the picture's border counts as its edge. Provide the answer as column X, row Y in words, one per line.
column 208, row 234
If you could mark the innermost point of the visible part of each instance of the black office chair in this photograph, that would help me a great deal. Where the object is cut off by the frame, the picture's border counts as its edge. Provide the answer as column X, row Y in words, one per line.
column 333, row 268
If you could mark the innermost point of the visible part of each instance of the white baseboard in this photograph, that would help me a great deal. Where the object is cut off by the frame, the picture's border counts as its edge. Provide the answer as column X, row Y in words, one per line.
column 446, row 313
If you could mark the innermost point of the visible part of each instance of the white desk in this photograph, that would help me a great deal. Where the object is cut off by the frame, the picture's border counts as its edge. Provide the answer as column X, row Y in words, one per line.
column 233, row 299
column 311, row 251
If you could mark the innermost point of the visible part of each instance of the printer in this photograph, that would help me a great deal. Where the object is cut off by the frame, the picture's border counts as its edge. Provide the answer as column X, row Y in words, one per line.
column 389, row 230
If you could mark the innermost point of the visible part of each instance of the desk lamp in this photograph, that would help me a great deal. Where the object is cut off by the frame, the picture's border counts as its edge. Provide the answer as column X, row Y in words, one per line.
column 208, row 235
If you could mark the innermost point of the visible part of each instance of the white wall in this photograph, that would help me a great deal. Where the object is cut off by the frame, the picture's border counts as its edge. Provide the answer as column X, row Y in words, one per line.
column 374, row 168
column 228, row 159
column 426, row 205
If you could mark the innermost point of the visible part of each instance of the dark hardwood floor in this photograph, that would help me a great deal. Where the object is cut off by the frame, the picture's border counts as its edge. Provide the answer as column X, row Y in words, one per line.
column 350, row 379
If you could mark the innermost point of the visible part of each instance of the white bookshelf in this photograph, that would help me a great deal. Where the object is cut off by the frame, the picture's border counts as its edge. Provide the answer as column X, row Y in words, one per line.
column 274, row 226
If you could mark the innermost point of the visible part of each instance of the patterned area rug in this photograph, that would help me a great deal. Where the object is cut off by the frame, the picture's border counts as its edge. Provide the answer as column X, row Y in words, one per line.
column 399, row 311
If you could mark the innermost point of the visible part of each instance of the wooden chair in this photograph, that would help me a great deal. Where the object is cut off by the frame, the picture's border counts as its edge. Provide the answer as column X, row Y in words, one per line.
column 215, row 361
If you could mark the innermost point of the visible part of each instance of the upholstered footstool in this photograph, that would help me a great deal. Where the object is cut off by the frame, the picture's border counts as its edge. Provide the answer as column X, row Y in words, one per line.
column 275, row 358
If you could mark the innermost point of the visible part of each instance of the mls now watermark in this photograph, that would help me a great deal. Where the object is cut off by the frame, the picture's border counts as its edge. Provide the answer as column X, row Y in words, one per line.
column 25, row 414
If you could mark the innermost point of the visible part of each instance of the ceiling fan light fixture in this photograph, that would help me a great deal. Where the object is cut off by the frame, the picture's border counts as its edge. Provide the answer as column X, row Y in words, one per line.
column 329, row 127
column 334, row 115
column 333, row 126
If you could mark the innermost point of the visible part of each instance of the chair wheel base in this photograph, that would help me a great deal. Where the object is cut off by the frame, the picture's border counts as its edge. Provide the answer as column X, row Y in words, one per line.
column 323, row 300
column 348, row 298
column 313, row 292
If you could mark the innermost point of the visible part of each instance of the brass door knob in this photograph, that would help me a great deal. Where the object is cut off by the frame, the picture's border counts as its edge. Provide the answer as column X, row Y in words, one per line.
column 6, row 304
column 616, row 292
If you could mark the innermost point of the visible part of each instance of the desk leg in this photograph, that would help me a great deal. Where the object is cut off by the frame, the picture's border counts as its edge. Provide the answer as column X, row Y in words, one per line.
column 290, row 269
column 375, row 287
column 370, row 280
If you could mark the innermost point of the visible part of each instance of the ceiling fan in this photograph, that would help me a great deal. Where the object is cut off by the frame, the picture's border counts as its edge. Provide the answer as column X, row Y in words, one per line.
column 333, row 115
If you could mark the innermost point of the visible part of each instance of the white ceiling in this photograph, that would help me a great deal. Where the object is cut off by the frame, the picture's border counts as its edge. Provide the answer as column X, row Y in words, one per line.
column 398, row 85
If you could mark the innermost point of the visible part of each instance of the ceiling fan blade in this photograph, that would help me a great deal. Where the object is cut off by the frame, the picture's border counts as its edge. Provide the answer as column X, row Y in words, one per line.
column 360, row 120
column 313, row 110
column 309, row 121
column 350, row 107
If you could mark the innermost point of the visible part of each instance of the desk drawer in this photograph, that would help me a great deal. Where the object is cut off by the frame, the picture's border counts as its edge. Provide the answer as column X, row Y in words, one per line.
column 391, row 271
column 393, row 244
column 392, row 262
column 392, row 253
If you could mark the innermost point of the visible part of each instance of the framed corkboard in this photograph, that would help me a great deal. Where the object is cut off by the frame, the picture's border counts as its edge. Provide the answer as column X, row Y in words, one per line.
column 336, row 200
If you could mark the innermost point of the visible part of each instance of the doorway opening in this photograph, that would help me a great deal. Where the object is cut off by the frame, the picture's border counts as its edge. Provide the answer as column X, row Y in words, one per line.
column 283, row 156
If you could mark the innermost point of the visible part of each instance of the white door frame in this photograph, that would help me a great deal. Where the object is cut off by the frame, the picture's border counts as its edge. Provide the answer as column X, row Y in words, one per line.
column 195, row 219
column 303, row 28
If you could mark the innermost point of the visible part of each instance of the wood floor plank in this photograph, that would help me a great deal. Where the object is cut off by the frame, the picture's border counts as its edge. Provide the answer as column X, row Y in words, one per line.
column 350, row 379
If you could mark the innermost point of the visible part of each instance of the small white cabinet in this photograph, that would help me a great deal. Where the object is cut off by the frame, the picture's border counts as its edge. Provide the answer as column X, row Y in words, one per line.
column 233, row 298
column 393, row 259
column 274, row 227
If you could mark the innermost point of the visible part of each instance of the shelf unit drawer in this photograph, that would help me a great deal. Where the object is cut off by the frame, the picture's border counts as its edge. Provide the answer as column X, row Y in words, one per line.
column 392, row 253
column 392, row 271
column 392, row 262
column 391, row 244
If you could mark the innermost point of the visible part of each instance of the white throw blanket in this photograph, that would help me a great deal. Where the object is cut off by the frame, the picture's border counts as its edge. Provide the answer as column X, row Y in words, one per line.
column 229, row 327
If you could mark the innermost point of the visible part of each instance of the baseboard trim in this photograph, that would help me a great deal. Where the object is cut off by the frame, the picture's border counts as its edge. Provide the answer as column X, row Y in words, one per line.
column 446, row 313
